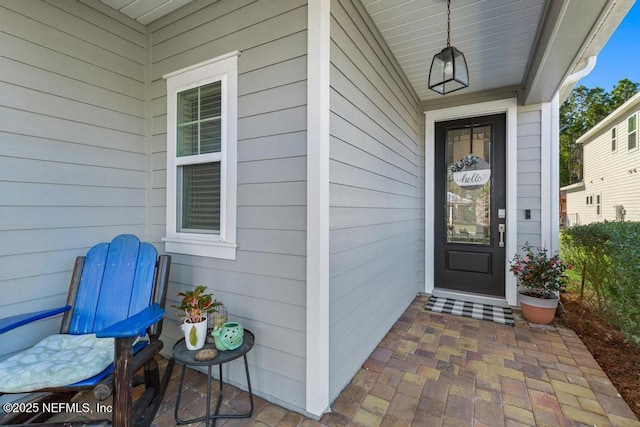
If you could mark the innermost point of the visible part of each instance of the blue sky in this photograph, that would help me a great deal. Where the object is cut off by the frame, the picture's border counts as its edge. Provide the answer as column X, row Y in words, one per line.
column 620, row 57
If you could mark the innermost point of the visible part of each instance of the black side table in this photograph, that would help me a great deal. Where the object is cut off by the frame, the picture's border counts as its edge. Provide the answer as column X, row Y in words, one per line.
column 185, row 357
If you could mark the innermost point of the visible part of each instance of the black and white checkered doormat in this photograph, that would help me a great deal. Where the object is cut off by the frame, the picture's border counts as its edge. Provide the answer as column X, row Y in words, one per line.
column 502, row 315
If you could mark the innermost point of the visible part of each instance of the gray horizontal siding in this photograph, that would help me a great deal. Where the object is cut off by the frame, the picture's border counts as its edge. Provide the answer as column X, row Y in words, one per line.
column 22, row 50
column 72, row 147
column 343, row 218
column 374, row 193
column 264, row 288
column 66, row 88
column 23, row 122
column 40, row 23
column 48, row 172
column 529, row 177
column 54, row 106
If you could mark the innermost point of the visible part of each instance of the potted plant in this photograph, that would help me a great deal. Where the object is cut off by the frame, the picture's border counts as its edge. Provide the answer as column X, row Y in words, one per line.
column 541, row 277
column 193, row 308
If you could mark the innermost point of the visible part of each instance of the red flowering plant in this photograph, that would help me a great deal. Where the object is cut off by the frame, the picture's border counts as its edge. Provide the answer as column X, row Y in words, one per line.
column 541, row 275
column 196, row 304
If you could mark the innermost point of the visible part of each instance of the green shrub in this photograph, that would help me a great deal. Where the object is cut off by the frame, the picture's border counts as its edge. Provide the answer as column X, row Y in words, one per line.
column 607, row 255
column 585, row 247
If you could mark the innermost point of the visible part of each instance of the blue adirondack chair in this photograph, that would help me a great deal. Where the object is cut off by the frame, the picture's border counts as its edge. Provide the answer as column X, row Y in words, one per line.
column 117, row 294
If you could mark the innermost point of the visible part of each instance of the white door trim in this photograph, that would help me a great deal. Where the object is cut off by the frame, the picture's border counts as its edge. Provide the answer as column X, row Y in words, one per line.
column 510, row 107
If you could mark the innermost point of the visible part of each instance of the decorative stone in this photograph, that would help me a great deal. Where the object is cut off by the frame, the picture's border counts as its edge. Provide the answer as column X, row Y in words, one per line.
column 206, row 354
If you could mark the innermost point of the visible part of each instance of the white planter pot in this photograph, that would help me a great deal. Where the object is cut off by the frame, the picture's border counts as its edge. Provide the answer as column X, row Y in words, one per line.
column 195, row 334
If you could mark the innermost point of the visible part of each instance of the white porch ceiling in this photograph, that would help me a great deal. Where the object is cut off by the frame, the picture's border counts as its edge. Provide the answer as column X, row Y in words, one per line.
column 528, row 45
column 496, row 37
column 145, row 11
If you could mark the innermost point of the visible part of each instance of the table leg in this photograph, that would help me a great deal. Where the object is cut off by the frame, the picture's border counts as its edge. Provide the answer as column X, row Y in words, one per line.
column 175, row 413
column 208, row 412
column 219, row 392
column 208, row 417
column 246, row 370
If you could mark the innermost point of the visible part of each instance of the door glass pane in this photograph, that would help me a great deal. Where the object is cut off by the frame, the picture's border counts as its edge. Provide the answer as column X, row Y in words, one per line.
column 468, row 201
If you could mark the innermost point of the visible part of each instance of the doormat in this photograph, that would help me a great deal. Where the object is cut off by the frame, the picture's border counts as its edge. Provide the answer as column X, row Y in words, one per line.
column 502, row 315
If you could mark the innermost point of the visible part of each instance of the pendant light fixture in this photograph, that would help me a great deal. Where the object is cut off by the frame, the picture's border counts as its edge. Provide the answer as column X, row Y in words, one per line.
column 448, row 71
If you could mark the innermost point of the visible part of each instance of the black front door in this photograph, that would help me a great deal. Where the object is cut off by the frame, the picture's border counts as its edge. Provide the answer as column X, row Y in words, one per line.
column 470, row 205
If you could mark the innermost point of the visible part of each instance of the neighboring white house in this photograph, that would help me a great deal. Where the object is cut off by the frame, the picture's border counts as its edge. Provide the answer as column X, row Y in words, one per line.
column 610, row 189
column 323, row 160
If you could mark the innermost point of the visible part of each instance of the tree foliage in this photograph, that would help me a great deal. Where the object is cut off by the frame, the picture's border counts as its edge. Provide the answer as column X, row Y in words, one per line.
column 582, row 110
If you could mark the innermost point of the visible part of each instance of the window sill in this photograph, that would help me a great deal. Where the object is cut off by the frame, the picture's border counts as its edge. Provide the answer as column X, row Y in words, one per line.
column 200, row 247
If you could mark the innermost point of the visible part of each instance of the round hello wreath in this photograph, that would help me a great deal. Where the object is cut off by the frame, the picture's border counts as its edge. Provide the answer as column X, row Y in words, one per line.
column 471, row 172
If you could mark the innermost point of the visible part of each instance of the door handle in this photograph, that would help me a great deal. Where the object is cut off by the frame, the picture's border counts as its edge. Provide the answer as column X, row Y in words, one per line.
column 501, row 230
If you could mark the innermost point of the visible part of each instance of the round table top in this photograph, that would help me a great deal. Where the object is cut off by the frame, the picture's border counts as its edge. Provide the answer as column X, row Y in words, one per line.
column 182, row 355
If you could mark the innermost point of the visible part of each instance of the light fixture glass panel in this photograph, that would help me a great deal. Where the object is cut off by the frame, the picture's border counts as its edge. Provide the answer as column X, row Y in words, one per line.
column 448, row 71
column 461, row 74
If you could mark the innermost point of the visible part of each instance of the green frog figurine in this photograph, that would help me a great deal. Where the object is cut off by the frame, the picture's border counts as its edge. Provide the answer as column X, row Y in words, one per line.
column 229, row 336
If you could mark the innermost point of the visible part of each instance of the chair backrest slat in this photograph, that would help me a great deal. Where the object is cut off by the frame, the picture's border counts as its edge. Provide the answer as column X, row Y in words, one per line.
column 143, row 281
column 84, row 309
column 117, row 281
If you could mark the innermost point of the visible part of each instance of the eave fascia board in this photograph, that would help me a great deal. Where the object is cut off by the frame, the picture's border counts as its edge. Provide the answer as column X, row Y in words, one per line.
column 606, row 25
column 547, row 32
column 571, row 31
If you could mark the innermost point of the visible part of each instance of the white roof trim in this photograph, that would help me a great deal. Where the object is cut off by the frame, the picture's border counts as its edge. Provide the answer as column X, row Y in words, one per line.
column 573, row 187
column 608, row 121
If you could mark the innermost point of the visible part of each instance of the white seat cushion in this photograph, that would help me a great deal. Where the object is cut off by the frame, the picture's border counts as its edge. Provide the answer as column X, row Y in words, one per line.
column 57, row 360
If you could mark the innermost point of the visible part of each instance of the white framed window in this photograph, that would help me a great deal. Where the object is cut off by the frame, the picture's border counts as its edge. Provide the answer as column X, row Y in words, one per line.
column 598, row 204
column 614, row 141
column 202, row 115
column 632, row 132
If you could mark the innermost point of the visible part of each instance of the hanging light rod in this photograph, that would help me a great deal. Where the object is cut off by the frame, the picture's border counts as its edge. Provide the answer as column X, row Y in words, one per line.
column 448, row 71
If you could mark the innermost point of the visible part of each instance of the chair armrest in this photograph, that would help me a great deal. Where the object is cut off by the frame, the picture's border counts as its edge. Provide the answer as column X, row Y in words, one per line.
column 134, row 325
column 12, row 322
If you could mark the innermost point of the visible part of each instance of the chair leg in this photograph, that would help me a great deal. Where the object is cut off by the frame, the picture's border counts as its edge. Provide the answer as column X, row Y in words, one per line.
column 122, row 381
column 152, row 409
column 152, row 375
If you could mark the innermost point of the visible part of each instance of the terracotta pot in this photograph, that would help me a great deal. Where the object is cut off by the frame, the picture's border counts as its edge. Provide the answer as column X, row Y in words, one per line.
column 538, row 310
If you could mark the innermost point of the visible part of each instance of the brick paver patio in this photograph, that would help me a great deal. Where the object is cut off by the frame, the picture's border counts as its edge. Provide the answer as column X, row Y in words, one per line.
column 436, row 369
column 441, row 370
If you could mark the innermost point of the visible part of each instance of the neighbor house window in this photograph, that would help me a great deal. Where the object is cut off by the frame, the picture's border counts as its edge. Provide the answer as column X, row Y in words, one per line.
column 598, row 204
column 202, row 158
column 632, row 132
column 614, row 145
